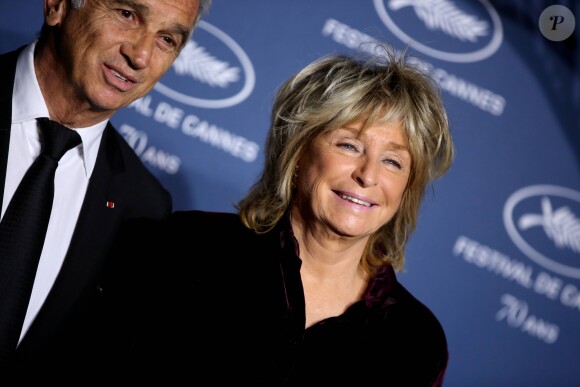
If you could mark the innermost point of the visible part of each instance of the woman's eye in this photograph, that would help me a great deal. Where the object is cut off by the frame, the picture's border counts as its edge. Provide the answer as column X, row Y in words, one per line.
column 347, row 146
column 394, row 162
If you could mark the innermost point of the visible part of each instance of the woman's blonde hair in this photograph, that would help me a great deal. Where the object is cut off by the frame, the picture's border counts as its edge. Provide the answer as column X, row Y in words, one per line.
column 338, row 90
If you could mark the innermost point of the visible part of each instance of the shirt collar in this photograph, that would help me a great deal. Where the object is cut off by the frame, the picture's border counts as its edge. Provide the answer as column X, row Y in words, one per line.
column 28, row 104
column 27, row 100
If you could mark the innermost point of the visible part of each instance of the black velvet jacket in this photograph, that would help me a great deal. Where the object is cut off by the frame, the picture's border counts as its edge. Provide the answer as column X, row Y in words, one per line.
column 204, row 298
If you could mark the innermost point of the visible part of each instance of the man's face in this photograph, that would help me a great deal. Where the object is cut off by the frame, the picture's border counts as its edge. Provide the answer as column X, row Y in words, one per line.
column 114, row 51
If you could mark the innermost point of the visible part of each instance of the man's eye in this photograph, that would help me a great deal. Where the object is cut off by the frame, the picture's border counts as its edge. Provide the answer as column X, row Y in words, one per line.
column 126, row 14
column 169, row 41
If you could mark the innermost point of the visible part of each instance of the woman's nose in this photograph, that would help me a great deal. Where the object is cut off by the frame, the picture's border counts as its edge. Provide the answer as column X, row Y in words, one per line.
column 366, row 173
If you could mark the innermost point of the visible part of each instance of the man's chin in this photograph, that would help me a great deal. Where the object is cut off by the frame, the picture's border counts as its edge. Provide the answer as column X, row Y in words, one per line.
column 111, row 102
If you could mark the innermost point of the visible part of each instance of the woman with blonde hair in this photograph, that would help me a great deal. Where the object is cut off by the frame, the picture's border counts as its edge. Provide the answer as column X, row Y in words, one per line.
column 301, row 286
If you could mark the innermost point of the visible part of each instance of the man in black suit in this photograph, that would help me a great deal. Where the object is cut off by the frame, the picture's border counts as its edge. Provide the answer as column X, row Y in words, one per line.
column 92, row 57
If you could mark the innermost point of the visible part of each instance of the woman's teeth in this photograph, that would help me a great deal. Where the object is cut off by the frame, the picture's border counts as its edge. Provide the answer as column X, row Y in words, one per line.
column 355, row 200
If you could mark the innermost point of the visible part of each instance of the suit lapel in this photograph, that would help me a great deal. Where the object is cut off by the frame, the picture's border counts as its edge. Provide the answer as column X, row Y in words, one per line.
column 98, row 221
column 7, row 73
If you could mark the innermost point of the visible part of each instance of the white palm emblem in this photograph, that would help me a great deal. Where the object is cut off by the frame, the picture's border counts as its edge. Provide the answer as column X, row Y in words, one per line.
column 194, row 61
column 445, row 16
column 561, row 225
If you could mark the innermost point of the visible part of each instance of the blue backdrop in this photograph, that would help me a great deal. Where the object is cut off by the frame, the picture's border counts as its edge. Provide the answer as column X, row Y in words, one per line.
column 497, row 251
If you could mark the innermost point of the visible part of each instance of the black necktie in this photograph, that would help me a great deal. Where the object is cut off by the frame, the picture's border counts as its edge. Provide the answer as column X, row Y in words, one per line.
column 23, row 229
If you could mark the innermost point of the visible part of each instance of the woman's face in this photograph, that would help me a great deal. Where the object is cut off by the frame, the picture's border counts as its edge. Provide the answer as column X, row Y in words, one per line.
column 350, row 183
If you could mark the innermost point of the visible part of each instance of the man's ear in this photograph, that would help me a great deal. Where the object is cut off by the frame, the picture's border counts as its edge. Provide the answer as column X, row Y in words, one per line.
column 54, row 11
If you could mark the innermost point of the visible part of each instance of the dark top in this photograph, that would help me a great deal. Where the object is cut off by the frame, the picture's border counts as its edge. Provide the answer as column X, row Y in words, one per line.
column 219, row 303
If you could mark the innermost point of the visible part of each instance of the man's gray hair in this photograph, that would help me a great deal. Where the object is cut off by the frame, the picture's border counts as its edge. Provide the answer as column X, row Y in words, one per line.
column 204, row 6
column 76, row 4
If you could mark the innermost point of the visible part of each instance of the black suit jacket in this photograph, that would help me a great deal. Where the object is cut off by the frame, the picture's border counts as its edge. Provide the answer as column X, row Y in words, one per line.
column 119, row 177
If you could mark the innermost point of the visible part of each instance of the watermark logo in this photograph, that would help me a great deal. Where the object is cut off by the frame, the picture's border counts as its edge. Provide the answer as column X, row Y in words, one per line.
column 214, row 79
column 543, row 221
column 454, row 32
column 557, row 23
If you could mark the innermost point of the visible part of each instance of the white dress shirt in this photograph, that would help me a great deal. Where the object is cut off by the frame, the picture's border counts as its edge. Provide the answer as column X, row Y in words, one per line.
column 71, row 180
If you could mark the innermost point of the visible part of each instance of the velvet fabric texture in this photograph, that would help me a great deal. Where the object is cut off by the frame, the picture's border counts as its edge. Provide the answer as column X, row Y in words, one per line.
column 202, row 298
